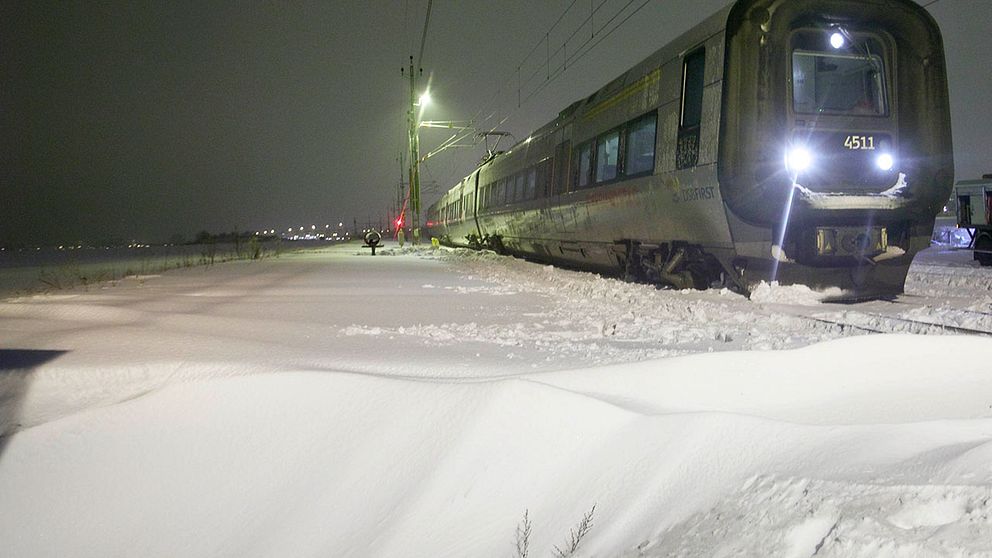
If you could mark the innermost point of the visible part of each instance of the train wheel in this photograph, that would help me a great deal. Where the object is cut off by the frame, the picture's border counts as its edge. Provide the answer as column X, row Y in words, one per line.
column 983, row 249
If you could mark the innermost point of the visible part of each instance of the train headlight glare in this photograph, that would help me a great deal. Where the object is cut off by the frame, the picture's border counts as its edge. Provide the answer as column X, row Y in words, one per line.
column 885, row 162
column 798, row 159
column 837, row 40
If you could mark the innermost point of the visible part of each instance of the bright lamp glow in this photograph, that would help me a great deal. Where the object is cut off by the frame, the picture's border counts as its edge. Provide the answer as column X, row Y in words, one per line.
column 798, row 159
column 836, row 40
column 425, row 99
column 885, row 162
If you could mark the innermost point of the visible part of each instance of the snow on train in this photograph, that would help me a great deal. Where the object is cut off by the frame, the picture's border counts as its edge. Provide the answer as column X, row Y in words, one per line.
column 804, row 141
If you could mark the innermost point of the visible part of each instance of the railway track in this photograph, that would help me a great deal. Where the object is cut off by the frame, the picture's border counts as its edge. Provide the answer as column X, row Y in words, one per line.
column 891, row 316
column 880, row 323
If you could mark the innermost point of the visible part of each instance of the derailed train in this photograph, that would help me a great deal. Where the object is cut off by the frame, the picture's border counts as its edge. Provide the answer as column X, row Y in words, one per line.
column 804, row 141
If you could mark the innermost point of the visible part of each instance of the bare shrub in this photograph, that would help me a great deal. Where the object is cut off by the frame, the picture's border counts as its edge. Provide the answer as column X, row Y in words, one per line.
column 523, row 536
column 576, row 535
column 568, row 550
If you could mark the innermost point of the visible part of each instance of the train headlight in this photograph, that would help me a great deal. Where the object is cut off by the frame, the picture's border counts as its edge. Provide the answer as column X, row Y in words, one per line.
column 837, row 40
column 798, row 159
column 885, row 162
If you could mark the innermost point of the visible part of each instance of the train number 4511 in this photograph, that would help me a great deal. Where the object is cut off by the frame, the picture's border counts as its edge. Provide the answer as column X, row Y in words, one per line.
column 859, row 142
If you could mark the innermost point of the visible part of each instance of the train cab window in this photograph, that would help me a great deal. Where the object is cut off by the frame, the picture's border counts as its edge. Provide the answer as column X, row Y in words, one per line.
column 583, row 180
column 639, row 146
column 607, row 151
column 849, row 80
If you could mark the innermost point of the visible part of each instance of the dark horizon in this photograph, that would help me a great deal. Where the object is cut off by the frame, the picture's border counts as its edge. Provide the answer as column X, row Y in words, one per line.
column 149, row 122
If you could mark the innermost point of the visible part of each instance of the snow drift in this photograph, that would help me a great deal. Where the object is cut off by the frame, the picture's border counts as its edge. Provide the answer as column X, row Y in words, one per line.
column 302, row 408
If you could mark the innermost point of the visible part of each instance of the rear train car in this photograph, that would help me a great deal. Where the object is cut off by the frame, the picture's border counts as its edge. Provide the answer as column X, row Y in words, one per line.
column 804, row 141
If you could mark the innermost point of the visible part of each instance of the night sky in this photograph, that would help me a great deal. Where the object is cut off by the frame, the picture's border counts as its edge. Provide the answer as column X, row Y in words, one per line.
column 146, row 120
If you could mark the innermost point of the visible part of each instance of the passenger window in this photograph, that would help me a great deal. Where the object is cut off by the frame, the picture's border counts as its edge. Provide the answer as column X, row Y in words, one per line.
column 607, row 149
column 585, row 166
column 639, row 150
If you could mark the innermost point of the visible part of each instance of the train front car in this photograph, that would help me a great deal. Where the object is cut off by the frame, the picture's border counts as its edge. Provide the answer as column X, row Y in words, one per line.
column 835, row 153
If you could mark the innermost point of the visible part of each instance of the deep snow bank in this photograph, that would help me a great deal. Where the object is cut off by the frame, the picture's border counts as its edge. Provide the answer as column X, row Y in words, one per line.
column 856, row 447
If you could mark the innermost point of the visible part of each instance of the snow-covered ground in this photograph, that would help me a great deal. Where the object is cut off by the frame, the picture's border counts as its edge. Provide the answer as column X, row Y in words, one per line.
column 419, row 403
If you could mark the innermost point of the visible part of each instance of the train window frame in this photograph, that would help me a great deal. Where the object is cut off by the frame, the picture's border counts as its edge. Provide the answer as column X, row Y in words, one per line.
column 691, row 123
column 560, row 175
column 530, row 187
column 885, row 54
column 602, row 140
column 585, row 148
column 544, row 177
column 629, row 128
column 699, row 54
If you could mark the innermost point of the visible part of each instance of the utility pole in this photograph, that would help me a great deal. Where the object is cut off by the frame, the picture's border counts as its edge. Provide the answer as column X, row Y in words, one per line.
column 413, row 119
column 401, row 194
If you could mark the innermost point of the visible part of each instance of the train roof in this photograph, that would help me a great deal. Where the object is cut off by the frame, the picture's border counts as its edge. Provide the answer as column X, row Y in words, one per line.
column 986, row 179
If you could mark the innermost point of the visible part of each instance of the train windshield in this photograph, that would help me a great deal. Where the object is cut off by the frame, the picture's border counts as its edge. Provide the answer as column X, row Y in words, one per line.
column 848, row 81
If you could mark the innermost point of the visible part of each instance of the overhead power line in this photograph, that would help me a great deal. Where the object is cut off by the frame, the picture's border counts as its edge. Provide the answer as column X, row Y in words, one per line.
column 423, row 37
column 586, row 47
column 539, row 75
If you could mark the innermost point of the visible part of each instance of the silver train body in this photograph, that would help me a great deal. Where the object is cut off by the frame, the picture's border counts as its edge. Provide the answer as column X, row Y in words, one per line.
column 804, row 141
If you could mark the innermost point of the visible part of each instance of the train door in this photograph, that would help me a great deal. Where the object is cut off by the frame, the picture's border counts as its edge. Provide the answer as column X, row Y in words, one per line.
column 687, row 147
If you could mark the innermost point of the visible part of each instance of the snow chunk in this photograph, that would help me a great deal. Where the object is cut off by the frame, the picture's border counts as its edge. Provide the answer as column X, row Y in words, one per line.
column 791, row 294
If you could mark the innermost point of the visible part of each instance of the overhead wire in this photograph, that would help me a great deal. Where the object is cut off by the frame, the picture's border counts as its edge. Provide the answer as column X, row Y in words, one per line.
column 423, row 36
column 596, row 36
column 568, row 60
column 489, row 106
column 581, row 53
